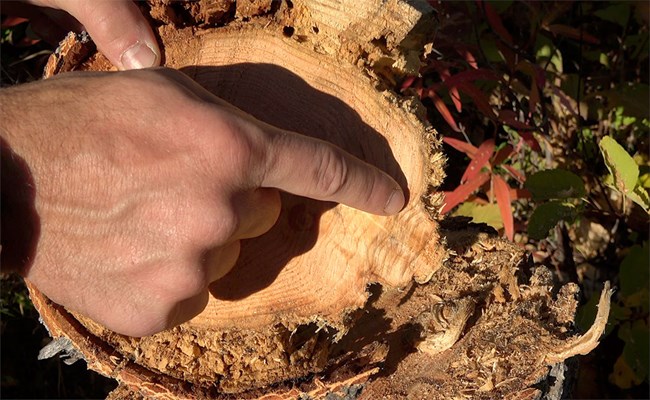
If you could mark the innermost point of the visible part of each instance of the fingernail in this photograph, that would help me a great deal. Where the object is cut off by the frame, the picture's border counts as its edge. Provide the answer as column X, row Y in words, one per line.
column 395, row 202
column 138, row 56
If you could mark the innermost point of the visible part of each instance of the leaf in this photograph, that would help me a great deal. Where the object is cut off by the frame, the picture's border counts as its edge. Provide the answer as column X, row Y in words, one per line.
column 637, row 349
column 502, row 154
column 443, row 110
column 482, row 158
column 509, row 117
column 644, row 180
column 635, row 99
column 11, row 21
column 518, row 175
column 480, row 98
column 530, row 140
column 623, row 376
column 516, row 194
column 618, row 13
column 408, row 82
column 572, row 33
column 547, row 215
column 555, row 184
column 470, row 76
column 620, row 164
column 631, row 368
column 444, row 73
column 634, row 272
column 481, row 213
column 502, row 193
column 462, row 192
column 469, row 57
column 640, row 197
column 495, row 22
column 461, row 146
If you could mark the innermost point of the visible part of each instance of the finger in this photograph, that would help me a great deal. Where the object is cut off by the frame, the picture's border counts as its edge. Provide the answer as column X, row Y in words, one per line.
column 257, row 212
column 220, row 260
column 119, row 30
column 313, row 168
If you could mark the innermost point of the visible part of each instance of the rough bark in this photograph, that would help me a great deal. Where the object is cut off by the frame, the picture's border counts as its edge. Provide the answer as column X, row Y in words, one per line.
column 333, row 301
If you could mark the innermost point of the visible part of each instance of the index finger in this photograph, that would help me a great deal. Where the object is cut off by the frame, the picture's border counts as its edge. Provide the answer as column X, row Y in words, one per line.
column 319, row 170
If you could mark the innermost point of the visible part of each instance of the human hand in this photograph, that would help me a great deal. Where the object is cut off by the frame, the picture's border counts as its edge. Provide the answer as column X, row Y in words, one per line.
column 144, row 184
column 117, row 27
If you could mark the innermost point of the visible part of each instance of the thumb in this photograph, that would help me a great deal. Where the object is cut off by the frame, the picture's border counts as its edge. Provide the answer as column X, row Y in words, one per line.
column 119, row 29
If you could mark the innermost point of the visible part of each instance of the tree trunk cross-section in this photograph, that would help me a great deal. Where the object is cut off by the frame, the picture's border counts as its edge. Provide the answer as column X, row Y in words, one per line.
column 333, row 301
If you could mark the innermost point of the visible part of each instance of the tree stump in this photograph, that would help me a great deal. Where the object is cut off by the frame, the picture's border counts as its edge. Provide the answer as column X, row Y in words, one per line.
column 333, row 301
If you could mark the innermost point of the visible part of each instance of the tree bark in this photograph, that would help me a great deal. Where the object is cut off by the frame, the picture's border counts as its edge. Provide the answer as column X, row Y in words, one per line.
column 333, row 301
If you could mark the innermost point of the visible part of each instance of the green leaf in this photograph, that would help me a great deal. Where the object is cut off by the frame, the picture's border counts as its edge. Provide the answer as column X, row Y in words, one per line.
column 617, row 13
column 620, row 164
column 637, row 348
column 633, row 99
column 640, row 197
column 500, row 5
column 555, row 184
column 487, row 214
column 547, row 215
column 634, row 271
column 644, row 180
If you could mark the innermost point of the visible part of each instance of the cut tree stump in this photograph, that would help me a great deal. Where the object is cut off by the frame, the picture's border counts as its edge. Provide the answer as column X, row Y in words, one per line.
column 332, row 301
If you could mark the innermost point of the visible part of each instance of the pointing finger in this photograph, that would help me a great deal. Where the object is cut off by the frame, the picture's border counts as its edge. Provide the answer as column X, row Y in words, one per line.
column 316, row 169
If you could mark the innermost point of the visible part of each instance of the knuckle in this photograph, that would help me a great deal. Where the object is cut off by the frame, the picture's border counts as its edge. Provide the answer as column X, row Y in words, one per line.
column 189, row 281
column 332, row 173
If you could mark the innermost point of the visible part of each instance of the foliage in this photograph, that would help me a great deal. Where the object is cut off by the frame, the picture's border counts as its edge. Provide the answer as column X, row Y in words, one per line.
column 485, row 171
column 624, row 172
column 544, row 111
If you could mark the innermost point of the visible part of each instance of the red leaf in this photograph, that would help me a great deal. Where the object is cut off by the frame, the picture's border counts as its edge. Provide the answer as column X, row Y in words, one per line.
column 572, row 33
column 482, row 158
column 509, row 117
column 530, row 140
column 495, row 22
column 518, row 175
column 408, row 82
column 502, row 193
column 503, row 154
column 27, row 41
column 12, row 21
column 564, row 100
column 453, row 92
column 471, row 60
column 480, row 99
column 459, row 145
column 516, row 194
column 471, row 75
column 509, row 56
column 443, row 110
column 463, row 191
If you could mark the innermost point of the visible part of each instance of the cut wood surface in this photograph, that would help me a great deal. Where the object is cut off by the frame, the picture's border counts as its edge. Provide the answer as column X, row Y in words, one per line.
column 392, row 307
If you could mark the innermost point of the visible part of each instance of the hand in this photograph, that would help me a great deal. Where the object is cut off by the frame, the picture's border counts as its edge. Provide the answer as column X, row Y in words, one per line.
column 118, row 28
column 144, row 184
